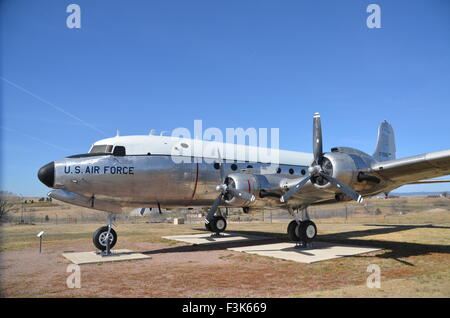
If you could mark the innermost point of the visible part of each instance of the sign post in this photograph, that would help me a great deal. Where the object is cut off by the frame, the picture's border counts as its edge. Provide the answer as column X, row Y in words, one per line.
column 40, row 234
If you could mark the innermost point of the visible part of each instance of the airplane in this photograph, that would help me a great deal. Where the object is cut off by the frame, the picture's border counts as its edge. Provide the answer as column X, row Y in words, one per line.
column 149, row 171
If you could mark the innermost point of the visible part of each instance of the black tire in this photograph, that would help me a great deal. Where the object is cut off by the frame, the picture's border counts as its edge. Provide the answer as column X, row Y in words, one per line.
column 307, row 231
column 291, row 231
column 99, row 238
column 218, row 224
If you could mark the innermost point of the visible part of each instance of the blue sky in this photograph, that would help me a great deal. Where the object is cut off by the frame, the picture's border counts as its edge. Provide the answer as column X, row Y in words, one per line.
column 137, row 65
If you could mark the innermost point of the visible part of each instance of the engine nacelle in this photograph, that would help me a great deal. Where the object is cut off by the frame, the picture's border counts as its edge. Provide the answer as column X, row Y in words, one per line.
column 346, row 165
column 244, row 182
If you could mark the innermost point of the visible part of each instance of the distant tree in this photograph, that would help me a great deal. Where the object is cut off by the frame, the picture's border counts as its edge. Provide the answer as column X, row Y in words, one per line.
column 6, row 194
column 6, row 206
column 41, row 199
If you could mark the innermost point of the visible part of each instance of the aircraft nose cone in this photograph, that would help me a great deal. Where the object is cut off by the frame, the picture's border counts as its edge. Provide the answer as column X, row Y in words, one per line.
column 47, row 174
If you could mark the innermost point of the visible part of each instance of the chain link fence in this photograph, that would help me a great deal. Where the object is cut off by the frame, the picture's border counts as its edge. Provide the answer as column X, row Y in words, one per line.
column 67, row 214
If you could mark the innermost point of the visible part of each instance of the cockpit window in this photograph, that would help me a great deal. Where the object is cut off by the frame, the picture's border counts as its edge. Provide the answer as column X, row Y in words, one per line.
column 119, row 151
column 101, row 149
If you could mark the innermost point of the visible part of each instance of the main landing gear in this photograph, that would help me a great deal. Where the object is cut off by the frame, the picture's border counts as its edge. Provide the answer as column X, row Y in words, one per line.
column 218, row 224
column 302, row 231
column 105, row 237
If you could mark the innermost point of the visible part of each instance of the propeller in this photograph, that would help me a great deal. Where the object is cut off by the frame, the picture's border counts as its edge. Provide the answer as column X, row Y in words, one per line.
column 317, row 140
column 321, row 169
column 227, row 191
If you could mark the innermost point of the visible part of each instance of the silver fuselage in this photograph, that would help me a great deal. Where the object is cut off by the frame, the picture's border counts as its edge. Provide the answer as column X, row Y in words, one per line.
column 115, row 184
column 146, row 180
column 125, row 172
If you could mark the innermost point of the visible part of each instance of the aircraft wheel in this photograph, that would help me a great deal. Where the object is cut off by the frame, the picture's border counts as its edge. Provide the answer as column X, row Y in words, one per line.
column 99, row 238
column 292, row 231
column 218, row 224
column 307, row 231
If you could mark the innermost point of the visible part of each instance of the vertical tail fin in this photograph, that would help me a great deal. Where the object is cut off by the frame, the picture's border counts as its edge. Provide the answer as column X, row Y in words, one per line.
column 385, row 149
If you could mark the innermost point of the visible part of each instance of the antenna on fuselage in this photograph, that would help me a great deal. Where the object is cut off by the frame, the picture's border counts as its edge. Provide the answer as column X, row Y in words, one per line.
column 152, row 132
column 117, row 133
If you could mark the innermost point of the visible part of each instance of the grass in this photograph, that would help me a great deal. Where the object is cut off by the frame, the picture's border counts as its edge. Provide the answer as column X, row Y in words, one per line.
column 414, row 261
column 427, row 285
column 19, row 236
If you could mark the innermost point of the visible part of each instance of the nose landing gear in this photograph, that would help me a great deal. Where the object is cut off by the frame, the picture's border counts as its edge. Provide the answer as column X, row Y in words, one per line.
column 101, row 238
column 105, row 238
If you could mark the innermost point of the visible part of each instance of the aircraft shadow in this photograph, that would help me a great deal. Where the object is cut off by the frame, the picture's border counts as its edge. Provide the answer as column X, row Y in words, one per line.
column 393, row 250
column 212, row 247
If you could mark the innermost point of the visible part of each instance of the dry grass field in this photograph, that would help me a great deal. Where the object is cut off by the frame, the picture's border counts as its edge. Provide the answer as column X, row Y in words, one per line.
column 414, row 233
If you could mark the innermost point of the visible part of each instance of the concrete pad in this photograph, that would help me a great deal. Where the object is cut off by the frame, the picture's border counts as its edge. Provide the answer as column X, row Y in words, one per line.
column 209, row 238
column 93, row 257
column 319, row 251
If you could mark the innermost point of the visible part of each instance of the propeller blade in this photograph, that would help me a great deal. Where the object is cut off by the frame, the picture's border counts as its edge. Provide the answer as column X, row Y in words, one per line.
column 317, row 140
column 344, row 188
column 222, row 173
column 213, row 209
column 294, row 189
column 241, row 194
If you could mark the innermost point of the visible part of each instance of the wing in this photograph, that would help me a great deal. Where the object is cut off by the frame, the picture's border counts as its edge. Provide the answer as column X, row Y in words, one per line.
column 429, row 181
column 412, row 169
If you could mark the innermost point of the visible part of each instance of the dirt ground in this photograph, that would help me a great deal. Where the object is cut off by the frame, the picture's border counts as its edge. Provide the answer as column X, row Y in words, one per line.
column 414, row 263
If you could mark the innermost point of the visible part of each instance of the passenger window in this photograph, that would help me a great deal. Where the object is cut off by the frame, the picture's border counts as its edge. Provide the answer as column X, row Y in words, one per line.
column 119, row 151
